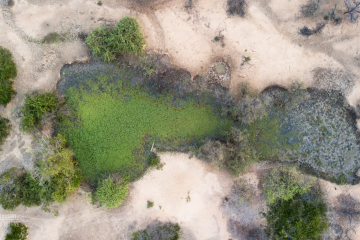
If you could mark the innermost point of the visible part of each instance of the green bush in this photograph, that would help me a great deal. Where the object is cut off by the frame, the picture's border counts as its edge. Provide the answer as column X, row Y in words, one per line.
column 18, row 231
column 35, row 107
column 31, row 191
column 10, row 189
column 302, row 217
column 239, row 154
column 5, row 128
column 56, row 168
column 158, row 231
column 284, row 183
column 126, row 37
column 7, row 73
column 111, row 193
column 154, row 159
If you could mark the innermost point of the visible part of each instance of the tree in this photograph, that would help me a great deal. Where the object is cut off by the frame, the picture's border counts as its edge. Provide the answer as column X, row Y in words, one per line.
column 7, row 73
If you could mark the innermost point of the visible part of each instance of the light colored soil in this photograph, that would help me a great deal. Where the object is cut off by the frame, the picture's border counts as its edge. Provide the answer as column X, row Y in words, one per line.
column 200, row 216
column 268, row 35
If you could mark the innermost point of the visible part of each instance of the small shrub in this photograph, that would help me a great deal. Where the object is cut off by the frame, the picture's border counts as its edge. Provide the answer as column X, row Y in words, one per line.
column 17, row 231
column 284, row 184
column 239, row 154
column 5, row 128
column 7, row 73
column 308, row 32
column 154, row 159
column 212, row 152
column 10, row 189
column 150, row 204
column 158, row 231
column 237, row 7
column 126, row 37
column 35, row 107
column 99, row 3
column 111, row 193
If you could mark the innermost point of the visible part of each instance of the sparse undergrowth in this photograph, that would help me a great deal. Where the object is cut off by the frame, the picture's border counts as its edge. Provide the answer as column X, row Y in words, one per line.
column 17, row 231
column 236, row 7
column 7, row 73
column 126, row 37
column 158, row 231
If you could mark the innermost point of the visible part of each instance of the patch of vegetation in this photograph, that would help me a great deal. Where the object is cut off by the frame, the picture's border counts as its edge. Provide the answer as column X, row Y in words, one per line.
column 240, row 154
column 236, row 7
column 212, row 152
column 308, row 32
column 150, row 204
column 308, row 10
column 31, row 191
column 158, row 231
column 284, row 183
column 7, row 73
column 295, row 207
column 99, row 3
column 112, row 193
column 352, row 10
column 52, row 38
column 36, row 105
column 301, row 217
column 10, row 189
column 112, row 126
column 5, row 128
column 126, row 37
column 17, row 231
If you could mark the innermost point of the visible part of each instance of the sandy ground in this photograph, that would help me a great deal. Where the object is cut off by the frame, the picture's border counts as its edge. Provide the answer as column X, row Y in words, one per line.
column 268, row 35
column 199, row 215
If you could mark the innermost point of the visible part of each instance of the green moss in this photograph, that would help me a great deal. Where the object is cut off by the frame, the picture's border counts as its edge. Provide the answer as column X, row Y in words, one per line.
column 7, row 73
column 110, row 125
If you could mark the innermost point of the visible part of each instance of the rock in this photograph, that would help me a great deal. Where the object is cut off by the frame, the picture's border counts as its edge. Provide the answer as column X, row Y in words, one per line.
column 358, row 173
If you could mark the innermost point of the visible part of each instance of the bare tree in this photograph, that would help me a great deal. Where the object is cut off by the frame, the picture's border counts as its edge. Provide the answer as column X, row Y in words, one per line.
column 353, row 9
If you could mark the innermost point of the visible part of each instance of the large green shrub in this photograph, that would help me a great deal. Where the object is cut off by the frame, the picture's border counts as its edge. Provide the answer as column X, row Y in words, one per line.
column 111, row 193
column 17, row 231
column 36, row 105
column 158, row 231
column 302, row 217
column 7, row 73
column 284, row 183
column 31, row 191
column 5, row 128
column 126, row 37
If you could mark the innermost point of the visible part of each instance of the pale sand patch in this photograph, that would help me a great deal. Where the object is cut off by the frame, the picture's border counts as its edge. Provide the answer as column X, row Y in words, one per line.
column 200, row 216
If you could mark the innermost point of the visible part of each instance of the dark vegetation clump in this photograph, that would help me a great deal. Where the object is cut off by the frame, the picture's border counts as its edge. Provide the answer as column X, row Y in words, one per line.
column 352, row 10
column 17, row 231
column 158, row 231
column 305, row 31
column 295, row 206
column 7, row 73
column 236, row 7
column 126, row 37
column 36, row 106
column 99, row 3
column 5, row 128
